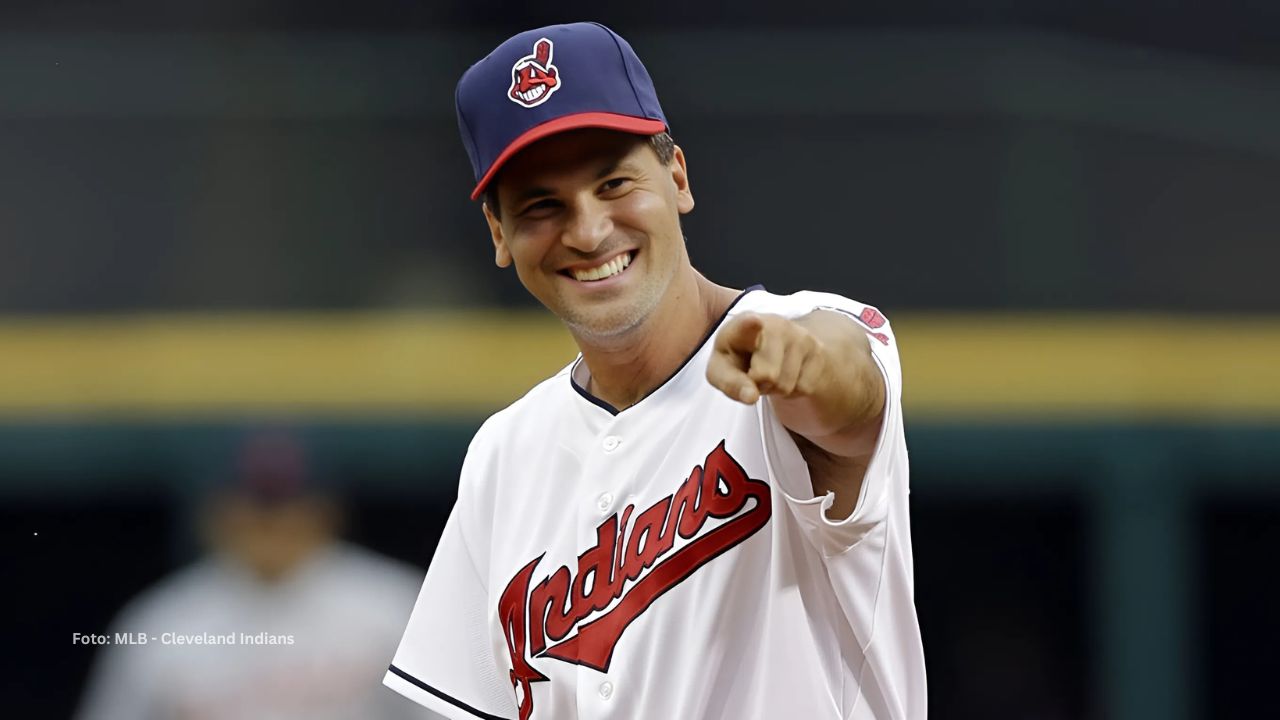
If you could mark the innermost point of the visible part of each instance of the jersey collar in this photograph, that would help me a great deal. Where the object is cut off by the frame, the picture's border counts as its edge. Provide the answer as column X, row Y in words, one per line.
column 579, row 374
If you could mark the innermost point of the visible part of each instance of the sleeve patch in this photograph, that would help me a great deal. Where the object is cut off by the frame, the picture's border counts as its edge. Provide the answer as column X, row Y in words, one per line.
column 870, row 317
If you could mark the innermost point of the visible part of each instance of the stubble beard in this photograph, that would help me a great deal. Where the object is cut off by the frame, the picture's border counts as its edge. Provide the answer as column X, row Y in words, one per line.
column 618, row 322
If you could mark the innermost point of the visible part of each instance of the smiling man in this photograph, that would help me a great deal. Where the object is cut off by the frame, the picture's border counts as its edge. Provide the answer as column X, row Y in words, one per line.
column 705, row 514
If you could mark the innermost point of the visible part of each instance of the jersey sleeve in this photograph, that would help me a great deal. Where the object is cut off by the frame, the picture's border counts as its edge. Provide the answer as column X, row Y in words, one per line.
column 887, row 469
column 446, row 658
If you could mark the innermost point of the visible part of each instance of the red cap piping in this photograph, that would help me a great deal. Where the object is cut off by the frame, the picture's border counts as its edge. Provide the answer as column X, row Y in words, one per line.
column 612, row 121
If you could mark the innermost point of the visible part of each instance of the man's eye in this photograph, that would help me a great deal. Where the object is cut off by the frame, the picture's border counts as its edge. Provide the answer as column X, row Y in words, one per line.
column 613, row 183
column 540, row 207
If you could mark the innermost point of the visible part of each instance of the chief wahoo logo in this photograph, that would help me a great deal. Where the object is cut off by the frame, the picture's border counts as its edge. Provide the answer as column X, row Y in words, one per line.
column 533, row 77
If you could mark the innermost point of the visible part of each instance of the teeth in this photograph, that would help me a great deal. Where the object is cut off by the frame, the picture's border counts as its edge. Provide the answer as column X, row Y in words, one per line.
column 600, row 272
column 533, row 94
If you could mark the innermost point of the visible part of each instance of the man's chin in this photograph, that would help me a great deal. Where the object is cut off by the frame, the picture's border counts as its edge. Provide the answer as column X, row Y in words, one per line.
column 613, row 319
column 604, row 326
column 602, row 329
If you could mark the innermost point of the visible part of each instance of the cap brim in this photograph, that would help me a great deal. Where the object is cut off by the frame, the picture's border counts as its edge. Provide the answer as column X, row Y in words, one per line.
column 611, row 121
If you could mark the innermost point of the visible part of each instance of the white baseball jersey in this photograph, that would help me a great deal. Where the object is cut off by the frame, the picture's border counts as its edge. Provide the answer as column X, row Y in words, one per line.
column 669, row 561
column 222, row 645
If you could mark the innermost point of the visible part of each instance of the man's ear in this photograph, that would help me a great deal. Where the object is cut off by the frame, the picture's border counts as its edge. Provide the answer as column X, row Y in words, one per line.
column 680, row 175
column 501, row 255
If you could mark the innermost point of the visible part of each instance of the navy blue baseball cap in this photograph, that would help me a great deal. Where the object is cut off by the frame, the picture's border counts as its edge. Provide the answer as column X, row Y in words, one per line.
column 546, row 81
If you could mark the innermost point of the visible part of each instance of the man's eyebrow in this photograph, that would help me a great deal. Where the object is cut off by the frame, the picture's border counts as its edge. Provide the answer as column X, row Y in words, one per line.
column 537, row 192
column 531, row 193
column 616, row 166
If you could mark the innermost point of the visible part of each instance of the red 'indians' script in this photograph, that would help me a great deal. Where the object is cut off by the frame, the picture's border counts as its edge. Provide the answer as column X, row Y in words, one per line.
column 611, row 569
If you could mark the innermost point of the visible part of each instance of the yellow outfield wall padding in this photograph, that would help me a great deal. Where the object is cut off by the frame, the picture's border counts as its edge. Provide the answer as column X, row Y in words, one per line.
column 1126, row 366
column 293, row 363
column 988, row 365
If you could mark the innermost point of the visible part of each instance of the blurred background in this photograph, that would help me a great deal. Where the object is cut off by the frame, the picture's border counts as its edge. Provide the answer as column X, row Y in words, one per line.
column 229, row 226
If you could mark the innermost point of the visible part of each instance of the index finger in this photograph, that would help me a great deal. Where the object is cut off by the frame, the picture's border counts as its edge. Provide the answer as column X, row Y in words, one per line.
column 725, row 372
column 741, row 335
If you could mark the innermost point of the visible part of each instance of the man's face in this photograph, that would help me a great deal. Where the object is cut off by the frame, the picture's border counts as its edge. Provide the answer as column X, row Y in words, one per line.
column 270, row 539
column 591, row 222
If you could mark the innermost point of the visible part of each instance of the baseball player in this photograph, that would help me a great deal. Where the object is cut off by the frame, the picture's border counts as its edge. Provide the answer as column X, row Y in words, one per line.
column 705, row 514
column 282, row 620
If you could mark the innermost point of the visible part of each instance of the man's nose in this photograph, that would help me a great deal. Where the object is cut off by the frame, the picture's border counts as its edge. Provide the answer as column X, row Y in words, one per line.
column 589, row 225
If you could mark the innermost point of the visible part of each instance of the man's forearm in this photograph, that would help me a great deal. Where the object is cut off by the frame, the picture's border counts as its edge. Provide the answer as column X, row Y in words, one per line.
column 841, row 413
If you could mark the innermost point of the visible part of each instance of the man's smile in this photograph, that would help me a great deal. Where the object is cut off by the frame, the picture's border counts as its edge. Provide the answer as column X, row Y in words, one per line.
column 602, row 270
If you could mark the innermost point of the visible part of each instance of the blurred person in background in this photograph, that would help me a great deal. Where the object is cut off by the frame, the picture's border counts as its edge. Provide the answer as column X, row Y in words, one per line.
column 281, row 620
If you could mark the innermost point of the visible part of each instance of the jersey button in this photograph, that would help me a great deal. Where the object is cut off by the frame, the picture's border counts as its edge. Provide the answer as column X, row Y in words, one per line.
column 604, row 502
column 606, row 689
column 611, row 443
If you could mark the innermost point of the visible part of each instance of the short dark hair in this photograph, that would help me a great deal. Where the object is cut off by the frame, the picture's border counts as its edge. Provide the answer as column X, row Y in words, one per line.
column 663, row 146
